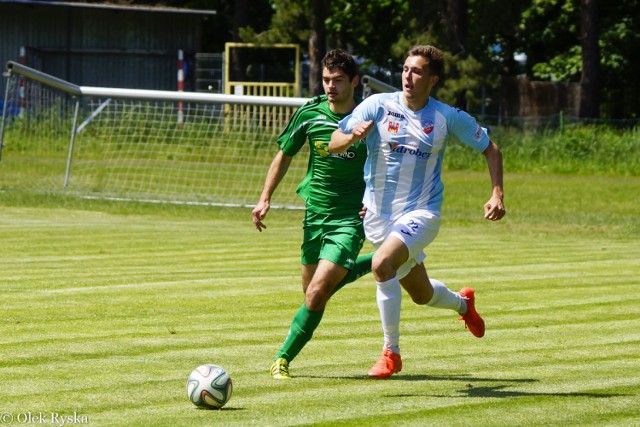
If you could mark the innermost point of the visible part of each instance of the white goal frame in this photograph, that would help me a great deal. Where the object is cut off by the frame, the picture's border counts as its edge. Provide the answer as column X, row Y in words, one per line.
column 143, row 145
column 180, row 169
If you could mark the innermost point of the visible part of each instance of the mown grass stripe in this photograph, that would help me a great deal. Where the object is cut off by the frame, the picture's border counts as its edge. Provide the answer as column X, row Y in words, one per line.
column 106, row 310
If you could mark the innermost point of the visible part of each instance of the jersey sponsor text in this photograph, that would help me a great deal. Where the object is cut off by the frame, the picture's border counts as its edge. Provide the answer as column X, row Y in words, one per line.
column 403, row 149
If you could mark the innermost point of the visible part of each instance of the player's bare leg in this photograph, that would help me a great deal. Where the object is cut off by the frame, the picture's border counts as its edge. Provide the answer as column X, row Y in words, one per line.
column 318, row 290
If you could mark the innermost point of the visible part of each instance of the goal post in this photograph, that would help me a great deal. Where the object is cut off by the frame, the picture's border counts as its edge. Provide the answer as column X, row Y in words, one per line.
column 129, row 144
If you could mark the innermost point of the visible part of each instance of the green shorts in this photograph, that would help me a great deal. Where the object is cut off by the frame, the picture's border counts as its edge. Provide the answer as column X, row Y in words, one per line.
column 339, row 244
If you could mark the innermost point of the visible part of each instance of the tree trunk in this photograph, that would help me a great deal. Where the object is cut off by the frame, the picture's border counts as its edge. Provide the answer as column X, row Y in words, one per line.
column 459, row 28
column 317, row 44
column 240, row 19
column 459, row 24
column 590, row 80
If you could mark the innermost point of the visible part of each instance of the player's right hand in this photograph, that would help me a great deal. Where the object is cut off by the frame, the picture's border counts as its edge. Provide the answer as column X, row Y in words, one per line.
column 258, row 214
column 362, row 129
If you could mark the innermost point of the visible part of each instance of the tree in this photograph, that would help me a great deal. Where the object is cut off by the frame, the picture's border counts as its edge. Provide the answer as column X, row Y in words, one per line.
column 590, row 81
column 458, row 11
column 620, row 62
column 600, row 53
column 573, row 41
column 240, row 20
column 317, row 44
column 369, row 27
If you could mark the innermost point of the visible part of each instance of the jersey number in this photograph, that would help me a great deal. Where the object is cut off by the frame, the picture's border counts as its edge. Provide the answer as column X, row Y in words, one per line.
column 412, row 225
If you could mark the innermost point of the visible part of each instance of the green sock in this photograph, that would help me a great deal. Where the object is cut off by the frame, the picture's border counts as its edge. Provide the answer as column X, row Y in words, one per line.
column 361, row 267
column 303, row 325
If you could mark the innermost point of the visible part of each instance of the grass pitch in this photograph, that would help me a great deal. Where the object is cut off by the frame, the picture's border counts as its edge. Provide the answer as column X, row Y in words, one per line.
column 106, row 308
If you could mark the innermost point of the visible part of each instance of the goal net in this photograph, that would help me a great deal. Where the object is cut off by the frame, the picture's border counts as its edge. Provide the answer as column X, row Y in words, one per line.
column 142, row 145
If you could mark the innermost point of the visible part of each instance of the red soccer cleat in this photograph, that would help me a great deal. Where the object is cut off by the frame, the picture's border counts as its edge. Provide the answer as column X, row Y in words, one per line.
column 388, row 364
column 472, row 319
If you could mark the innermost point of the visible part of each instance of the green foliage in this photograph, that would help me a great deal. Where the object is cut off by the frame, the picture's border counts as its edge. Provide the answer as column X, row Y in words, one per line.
column 577, row 149
column 289, row 24
column 615, row 42
column 370, row 27
column 567, row 66
column 467, row 80
column 550, row 35
column 380, row 31
column 561, row 17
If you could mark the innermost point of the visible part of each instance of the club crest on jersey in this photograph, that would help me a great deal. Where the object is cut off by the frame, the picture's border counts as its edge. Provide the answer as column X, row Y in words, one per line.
column 427, row 126
column 322, row 148
column 394, row 127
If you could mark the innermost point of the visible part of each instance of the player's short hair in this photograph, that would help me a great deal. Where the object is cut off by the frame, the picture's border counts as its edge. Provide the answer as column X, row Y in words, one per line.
column 340, row 59
column 433, row 55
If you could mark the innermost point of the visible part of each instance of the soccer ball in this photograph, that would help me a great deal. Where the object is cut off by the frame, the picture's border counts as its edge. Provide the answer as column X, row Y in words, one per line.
column 209, row 386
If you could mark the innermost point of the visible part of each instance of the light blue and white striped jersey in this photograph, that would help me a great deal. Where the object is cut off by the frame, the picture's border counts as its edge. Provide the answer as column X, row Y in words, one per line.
column 406, row 150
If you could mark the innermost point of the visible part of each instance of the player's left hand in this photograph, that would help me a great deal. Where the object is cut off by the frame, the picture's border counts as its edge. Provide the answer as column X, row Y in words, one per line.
column 363, row 212
column 494, row 209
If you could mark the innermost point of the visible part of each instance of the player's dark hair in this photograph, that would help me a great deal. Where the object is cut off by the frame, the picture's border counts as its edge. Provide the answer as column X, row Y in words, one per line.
column 433, row 55
column 340, row 59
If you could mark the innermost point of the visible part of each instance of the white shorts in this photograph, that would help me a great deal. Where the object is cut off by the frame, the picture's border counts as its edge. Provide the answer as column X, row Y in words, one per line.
column 416, row 229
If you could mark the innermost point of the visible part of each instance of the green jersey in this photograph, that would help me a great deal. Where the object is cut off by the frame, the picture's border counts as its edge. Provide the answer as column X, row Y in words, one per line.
column 334, row 184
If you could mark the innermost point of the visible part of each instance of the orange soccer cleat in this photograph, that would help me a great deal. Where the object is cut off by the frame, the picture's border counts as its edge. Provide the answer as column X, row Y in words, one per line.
column 388, row 364
column 472, row 319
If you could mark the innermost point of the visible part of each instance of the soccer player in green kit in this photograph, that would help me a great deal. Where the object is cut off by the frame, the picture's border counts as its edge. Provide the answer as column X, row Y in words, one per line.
column 332, row 191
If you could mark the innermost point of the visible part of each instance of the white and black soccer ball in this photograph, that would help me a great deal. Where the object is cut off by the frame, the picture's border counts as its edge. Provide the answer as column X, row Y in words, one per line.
column 209, row 386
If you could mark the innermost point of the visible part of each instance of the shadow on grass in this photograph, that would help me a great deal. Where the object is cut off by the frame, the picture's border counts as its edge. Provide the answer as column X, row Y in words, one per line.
column 223, row 409
column 471, row 390
column 499, row 391
column 402, row 377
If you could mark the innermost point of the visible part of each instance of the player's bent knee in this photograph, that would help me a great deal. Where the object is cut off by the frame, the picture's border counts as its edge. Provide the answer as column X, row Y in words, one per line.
column 420, row 299
column 382, row 269
column 316, row 298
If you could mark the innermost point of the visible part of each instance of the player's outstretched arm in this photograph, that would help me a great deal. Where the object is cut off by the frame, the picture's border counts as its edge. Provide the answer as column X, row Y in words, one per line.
column 341, row 141
column 277, row 171
column 494, row 209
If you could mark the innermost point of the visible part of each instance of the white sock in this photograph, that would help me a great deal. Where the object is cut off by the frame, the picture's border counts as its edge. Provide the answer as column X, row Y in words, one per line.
column 444, row 297
column 389, row 298
column 393, row 348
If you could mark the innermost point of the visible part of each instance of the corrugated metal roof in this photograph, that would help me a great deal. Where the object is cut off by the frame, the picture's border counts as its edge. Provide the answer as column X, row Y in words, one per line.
column 112, row 6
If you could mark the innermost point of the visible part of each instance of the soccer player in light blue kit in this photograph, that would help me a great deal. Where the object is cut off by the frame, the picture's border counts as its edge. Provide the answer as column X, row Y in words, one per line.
column 406, row 135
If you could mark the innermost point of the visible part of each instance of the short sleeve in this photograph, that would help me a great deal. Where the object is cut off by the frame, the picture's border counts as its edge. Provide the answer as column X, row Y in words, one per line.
column 366, row 110
column 467, row 130
column 294, row 135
